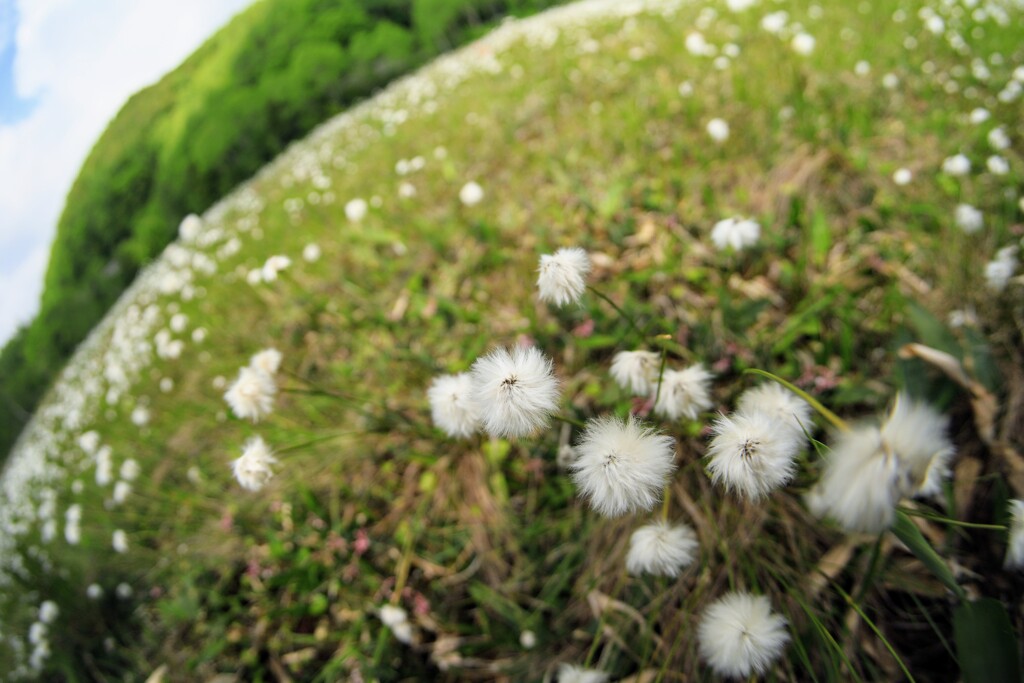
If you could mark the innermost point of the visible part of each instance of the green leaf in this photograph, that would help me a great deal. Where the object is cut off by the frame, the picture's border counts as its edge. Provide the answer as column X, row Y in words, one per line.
column 905, row 530
column 821, row 238
column 986, row 643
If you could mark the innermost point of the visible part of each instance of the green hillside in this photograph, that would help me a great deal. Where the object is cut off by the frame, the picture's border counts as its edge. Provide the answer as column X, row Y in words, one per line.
column 275, row 71
column 829, row 193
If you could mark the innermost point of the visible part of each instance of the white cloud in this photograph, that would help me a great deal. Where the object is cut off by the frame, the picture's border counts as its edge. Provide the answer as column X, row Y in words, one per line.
column 83, row 59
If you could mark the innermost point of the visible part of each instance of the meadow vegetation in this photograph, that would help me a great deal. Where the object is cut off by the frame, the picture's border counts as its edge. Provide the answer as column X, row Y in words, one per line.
column 266, row 79
column 756, row 187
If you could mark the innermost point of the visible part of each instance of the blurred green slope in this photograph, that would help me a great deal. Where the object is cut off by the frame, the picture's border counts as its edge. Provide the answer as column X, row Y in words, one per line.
column 273, row 73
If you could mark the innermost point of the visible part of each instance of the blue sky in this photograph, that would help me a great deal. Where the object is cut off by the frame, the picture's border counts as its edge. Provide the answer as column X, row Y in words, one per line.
column 66, row 67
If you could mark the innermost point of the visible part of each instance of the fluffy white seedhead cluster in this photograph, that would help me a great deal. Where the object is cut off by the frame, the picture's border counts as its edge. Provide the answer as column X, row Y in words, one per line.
column 735, row 233
column 251, row 396
column 752, row 454
column 120, row 541
column 803, row 43
column 267, row 360
column 471, row 194
column 396, row 619
column 683, row 393
column 451, row 404
column 718, row 129
column 1002, row 268
column 969, row 219
column 661, row 549
column 273, row 266
column 636, row 371
column 871, row 468
column 253, row 469
column 514, row 390
column 956, row 165
column 622, row 465
column 1015, row 547
column 563, row 276
column 568, row 673
column 784, row 407
column 902, row 176
column 739, row 635
column 355, row 209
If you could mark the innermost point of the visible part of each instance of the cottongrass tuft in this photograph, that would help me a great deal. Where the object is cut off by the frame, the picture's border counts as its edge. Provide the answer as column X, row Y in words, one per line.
column 568, row 673
column 1015, row 546
column 471, row 194
column 252, row 470
column 1001, row 269
column 683, row 393
column 515, row 391
column 622, row 465
column 451, row 405
column 251, row 396
column 636, row 371
column 780, row 404
column 718, row 129
column 735, row 233
column 267, row 360
column 563, row 276
column 396, row 619
column 739, row 635
column 661, row 549
column 968, row 218
column 120, row 541
column 752, row 454
column 956, row 165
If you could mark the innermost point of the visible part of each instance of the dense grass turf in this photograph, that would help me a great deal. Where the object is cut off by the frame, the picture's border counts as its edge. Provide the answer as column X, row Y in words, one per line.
column 586, row 127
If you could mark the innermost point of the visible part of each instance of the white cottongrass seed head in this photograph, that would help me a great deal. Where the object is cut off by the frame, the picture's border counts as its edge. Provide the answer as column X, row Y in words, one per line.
column 563, row 276
column 735, row 233
column 902, row 176
column 251, row 396
column 569, row 673
column 752, row 454
column 451, row 405
column 718, row 129
column 253, row 470
column 267, row 360
column 1015, row 545
column 471, row 194
column 622, row 465
column 956, row 165
column 515, row 391
column 683, row 393
column 355, row 209
column 120, row 541
column 661, row 549
column 396, row 619
column 803, row 43
column 916, row 433
column 1001, row 269
column 780, row 404
column 969, row 219
column 739, row 635
column 636, row 371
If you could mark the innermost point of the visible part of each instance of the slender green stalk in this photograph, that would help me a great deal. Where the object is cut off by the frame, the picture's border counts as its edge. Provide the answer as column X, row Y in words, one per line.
column 838, row 422
column 625, row 316
column 952, row 522
column 570, row 421
column 888, row 646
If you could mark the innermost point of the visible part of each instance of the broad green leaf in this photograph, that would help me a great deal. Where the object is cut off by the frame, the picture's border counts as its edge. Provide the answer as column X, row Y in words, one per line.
column 987, row 647
column 905, row 530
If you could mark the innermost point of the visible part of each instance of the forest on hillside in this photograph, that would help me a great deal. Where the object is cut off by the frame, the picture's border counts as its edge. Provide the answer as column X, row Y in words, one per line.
column 264, row 80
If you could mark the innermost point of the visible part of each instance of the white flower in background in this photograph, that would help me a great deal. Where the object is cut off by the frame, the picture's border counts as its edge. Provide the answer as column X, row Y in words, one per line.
column 563, row 276
column 37, row 632
column 251, row 396
column 178, row 322
column 48, row 611
column 636, row 371
column 311, row 253
column 89, row 442
column 451, row 405
column 190, row 227
column 803, row 43
column 123, row 591
column 775, row 22
column 48, row 532
column 870, row 469
column 969, row 219
column 902, row 176
column 140, row 416
column 104, row 466
column 471, row 194
column 752, row 454
column 979, row 115
column 567, row 673
column 528, row 639
column 862, row 68
column 999, row 270
column 683, row 393
column 718, row 129
column 685, row 89
column 514, row 390
column 254, row 277
column 396, row 619
column 1015, row 545
column 622, row 466
column 661, row 549
column 355, row 209
column 406, row 190
column 120, row 541
column 890, row 81
column 129, row 469
column 779, row 404
column 252, row 470
column 998, row 138
column 122, row 489
column 94, row 591
column 735, row 233
column 273, row 266
column 166, row 385
column 267, row 360
column 72, row 521
column 199, row 335
column 697, row 46
column 997, row 165
column 739, row 5
column 956, row 165
column 739, row 635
